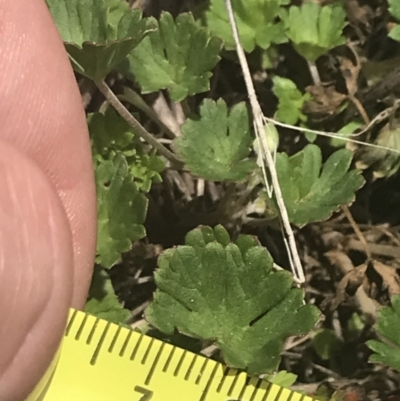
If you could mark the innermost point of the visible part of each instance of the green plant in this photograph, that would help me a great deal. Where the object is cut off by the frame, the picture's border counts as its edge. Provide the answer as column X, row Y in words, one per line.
column 214, row 289
column 394, row 9
column 228, row 292
column 387, row 350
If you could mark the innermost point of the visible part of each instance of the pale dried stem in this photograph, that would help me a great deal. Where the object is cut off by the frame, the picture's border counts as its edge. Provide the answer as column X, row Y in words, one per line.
column 258, row 120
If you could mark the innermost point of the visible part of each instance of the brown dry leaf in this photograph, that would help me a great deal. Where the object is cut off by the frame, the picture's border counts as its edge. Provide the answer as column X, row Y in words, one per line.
column 350, row 74
column 325, row 102
column 385, row 279
column 357, row 14
column 368, row 282
column 349, row 284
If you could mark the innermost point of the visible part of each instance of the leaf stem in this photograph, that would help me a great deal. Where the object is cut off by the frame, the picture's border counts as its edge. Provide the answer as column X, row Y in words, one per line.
column 136, row 100
column 314, row 72
column 135, row 124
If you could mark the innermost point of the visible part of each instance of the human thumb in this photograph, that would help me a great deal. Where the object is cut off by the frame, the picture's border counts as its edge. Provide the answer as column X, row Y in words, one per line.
column 36, row 273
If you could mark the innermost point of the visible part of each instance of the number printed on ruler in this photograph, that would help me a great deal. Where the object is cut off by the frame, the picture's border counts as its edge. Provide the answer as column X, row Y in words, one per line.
column 103, row 361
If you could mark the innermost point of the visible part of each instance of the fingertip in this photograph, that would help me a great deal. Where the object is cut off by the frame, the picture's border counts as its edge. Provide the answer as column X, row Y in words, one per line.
column 36, row 273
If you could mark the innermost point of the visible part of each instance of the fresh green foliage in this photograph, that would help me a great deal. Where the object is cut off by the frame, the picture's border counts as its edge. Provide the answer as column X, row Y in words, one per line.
column 282, row 378
column 345, row 132
column 111, row 134
column 102, row 301
column 178, row 56
column 213, row 289
column 312, row 194
column 121, row 209
column 116, row 10
column 256, row 21
column 394, row 9
column 216, row 146
column 291, row 101
column 388, row 326
column 315, row 29
column 96, row 42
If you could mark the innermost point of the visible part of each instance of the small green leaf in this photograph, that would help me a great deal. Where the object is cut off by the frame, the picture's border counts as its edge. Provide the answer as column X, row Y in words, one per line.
column 315, row 29
column 96, row 42
column 394, row 8
column 102, row 301
column 291, row 101
column 282, row 378
column 395, row 33
column 179, row 56
column 388, row 326
column 312, row 194
column 116, row 10
column 346, row 132
column 216, row 146
column 256, row 20
column 229, row 293
column 121, row 209
column 110, row 134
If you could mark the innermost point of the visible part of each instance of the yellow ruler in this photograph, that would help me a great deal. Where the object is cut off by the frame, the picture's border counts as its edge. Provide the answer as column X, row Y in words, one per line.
column 101, row 361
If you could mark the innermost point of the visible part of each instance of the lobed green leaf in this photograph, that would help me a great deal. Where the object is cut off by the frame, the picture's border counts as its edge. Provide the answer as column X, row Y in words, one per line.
column 216, row 146
column 179, row 56
column 121, row 209
column 315, row 29
column 229, row 293
column 256, row 20
column 312, row 192
column 96, row 40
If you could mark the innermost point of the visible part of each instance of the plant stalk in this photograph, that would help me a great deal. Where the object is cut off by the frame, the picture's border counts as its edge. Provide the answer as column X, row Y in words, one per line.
column 258, row 116
column 135, row 124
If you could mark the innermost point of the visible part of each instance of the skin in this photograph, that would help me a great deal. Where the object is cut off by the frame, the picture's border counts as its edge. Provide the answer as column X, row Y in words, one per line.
column 47, row 195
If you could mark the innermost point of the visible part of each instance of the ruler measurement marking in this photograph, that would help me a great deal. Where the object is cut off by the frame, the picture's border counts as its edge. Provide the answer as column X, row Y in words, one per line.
column 285, row 394
column 290, row 396
column 171, row 354
column 209, row 382
column 99, row 345
column 203, row 368
column 135, row 350
column 154, row 364
column 267, row 390
column 179, row 365
column 146, row 354
column 295, row 396
column 257, row 387
column 70, row 322
column 96, row 333
column 126, row 343
column 81, row 327
column 189, row 371
column 303, row 397
column 244, row 387
column 233, row 385
column 223, row 378
column 92, row 331
column 278, row 395
column 114, row 340
column 147, row 394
